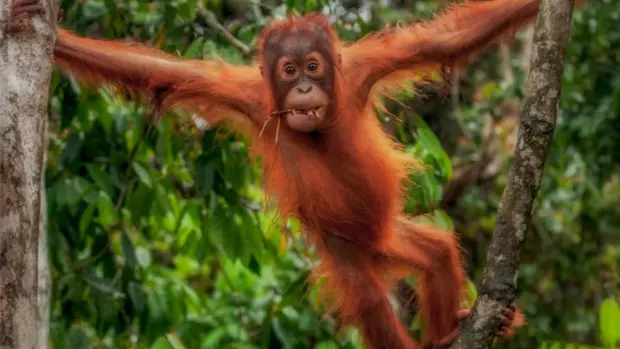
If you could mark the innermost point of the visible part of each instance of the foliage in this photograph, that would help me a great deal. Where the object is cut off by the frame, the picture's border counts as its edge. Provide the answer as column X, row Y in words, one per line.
column 160, row 238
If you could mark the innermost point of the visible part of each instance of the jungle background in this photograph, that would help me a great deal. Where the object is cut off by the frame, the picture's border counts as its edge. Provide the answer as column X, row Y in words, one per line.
column 159, row 237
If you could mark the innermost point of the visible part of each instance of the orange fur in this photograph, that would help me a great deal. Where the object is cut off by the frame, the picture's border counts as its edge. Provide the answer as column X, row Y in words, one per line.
column 386, row 59
column 217, row 90
column 346, row 187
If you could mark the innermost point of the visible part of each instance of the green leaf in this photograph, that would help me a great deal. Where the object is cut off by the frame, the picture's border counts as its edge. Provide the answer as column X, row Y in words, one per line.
column 292, row 5
column 73, row 147
column 156, row 305
column 87, row 217
column 110, row 5
column 161, row 343
column 107, row 212
column 100, row 284
column 143, row 256
column 139, row 202
column 252, row 234
column 229, row 239
column 142, row 174
column 77, row 338
column 489, row 89
column 100, row 178
column 556, row 345
column 282, row 334
column 364, row 27
column 609, row 318
column 161, row 194
column 129, row 251
column 295, row 290
column 472, row 292
column 311, row 5
column 175, row 342
column 443, row 220
column 205, row 176
column 328, row 344
column 137, row 296
column 194, row 49
column 428, row 140
column 213, row 338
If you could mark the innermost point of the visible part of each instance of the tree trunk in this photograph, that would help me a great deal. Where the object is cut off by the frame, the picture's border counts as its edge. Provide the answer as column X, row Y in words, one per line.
column 44, row 278
column 515, row 209
column 25, row 69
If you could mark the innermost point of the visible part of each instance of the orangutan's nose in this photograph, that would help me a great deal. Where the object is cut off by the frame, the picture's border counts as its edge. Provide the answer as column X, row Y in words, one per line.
column 304, row 87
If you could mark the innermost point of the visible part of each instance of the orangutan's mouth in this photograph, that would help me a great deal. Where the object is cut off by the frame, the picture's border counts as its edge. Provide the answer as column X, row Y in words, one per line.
column 313, row 112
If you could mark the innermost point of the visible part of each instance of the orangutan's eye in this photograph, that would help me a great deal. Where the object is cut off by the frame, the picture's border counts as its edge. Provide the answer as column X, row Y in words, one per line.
column 290, row 70
column 313, row 66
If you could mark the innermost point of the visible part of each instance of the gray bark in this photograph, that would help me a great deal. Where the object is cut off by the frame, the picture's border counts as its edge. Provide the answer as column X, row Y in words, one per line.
column 536, row 129
column 25, row 69
column 44, row 278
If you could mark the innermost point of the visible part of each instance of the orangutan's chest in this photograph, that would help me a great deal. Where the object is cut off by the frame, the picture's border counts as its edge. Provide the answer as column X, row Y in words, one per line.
column 337, row 197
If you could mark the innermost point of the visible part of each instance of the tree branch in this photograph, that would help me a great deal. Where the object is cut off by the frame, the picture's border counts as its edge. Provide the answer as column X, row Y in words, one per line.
column 515, row 210
column 212, row 22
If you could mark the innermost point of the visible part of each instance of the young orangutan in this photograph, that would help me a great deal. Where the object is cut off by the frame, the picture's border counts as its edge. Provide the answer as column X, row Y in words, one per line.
column 308, row 111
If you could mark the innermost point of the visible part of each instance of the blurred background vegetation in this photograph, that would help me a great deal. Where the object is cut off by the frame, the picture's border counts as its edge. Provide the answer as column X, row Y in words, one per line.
column 159, row 238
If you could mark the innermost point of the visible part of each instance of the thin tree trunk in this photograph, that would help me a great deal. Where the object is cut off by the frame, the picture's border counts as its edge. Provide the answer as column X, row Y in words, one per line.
column 515, row 210
column 25, row 69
